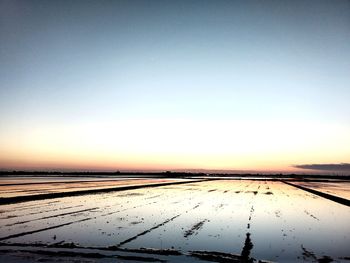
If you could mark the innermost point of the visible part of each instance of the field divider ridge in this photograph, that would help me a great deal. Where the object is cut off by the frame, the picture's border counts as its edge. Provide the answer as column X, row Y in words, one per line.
column 20, row 199
column 334, row 198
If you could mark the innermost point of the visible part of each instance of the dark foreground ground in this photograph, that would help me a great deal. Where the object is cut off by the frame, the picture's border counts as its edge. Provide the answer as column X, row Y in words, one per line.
column 133, row 219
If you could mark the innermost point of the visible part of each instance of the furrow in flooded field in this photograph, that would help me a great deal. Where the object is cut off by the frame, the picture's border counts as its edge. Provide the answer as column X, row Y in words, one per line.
column 53, row 216
column 125, row 209
column 49, row 221
column 336, row 188
column 194, row 228
column 147, row 231
column 39, row 213
column 29, row 206
column 248, row 246
column 334, row 198
column 23, row 190
column 49, row 181
column 88, row 254
column 241, row 220
column 18, row 199
column 156, row 227
column 42, row 229
column 109, row 216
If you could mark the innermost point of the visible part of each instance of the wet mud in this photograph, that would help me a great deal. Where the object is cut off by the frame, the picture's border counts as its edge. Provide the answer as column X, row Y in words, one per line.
column 309, row 255
column 195, row 228
column 334, row 198
column 146, row 231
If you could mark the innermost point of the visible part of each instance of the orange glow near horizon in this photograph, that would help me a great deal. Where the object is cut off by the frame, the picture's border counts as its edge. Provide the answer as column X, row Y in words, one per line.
column 176, row 144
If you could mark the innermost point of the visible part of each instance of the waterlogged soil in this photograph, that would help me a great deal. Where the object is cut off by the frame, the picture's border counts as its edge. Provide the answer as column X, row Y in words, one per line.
column 216, row 220
column 333, row 188
column 23, row 187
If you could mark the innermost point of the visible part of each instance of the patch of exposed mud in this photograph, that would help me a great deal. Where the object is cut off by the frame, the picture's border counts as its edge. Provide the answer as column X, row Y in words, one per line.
column 152, row 197
column 309, row 255
column 196, row 206
column 64, row 244
column 195, row 228
column 220, row 206
column 66, row 256
column 334, row 198
column 135, row 222
column 147, row 231
column 42, row 229
column 130, row 194
column 278, row 213
column 143, row 250
column 216, row 256
column 53, row 216
column 191, row 189
column 311, row 215
column 141, row 259
column 61, row 253
column 248, row 246
column 252, row 192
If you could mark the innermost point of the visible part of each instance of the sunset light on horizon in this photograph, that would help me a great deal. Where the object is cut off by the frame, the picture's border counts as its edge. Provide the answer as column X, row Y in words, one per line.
column 257, row 86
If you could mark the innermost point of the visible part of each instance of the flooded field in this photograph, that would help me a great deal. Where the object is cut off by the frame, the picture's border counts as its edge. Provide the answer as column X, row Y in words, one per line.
column 174, row 220
column 21, row 186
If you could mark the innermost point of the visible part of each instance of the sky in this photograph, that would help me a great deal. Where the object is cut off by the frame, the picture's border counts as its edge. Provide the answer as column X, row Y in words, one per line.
column 148, row 85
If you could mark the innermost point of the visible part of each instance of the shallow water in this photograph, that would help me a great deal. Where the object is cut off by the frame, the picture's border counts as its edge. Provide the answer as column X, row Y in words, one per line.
column 267, row 220
column 334, row 188
column 23, row 187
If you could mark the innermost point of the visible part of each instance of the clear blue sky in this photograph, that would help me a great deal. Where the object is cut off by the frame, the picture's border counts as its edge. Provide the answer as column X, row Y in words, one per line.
column 107, row 63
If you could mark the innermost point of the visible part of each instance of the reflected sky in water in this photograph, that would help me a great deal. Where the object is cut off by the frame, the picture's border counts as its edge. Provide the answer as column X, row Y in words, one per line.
column 266, row 219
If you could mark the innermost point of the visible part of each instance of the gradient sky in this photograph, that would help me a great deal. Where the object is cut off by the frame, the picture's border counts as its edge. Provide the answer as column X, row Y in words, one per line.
column 247, row 85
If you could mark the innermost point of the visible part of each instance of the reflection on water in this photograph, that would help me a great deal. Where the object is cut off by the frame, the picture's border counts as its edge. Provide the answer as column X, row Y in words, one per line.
column 337, row 189
column 22, row 187
column 248, row 245
column 236, row 219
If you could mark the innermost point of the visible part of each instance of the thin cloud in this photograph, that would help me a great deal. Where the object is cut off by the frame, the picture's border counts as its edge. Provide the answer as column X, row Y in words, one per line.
column 325, row 167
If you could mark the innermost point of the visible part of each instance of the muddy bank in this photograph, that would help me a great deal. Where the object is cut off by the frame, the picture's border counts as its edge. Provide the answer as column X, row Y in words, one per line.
column 337, row 199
